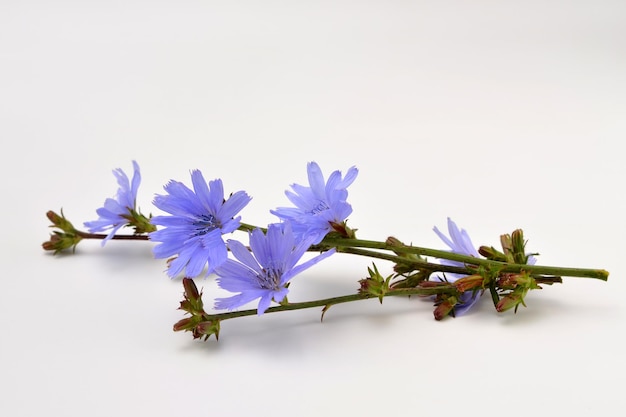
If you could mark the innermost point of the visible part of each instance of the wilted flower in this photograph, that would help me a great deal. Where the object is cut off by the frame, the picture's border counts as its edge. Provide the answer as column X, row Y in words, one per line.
column 266, row 271
column 119, row 211
column 321, row 207
column 198, row 220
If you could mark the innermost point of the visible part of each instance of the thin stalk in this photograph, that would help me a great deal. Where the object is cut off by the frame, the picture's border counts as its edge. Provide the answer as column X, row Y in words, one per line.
column 600, row 274
column 327, row 302
column 86, row 235
column 418, row 264
column 432, row 267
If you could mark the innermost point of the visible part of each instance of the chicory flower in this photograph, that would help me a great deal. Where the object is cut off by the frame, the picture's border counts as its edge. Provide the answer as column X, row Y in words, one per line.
column 459, row 242
column 198, row 219
column 321, row 206
column 264, row 271
column 119, row 211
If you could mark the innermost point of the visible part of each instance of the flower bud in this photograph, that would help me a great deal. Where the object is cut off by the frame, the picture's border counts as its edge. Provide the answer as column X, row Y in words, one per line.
column 445, row 308
column 469, row 283
column 507, row 245
column 396, row 243
column 60, row 221
column 61, row 241
column 193, row 298
column 509, row 301
column 507, row 281
column 492, row 253
column 518, row 243
column 513, row 246
column 510, row 281
column 375, row 284
column 206, row 329
column 187, row 323
column 392, row 241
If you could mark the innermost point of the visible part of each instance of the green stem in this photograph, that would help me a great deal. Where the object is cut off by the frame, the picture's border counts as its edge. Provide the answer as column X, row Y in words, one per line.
column 245, row 227
column 470, row 260
column 86, row 235
column 418, row 264
column 327, row 302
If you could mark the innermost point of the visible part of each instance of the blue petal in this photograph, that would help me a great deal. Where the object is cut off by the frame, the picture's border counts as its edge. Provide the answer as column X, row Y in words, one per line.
column 243, row 255
column 233, row 205
column 202, row 191
column 235, row 301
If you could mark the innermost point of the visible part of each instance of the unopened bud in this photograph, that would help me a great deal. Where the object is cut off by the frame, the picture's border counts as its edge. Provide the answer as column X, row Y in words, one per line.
column 492, row 253
column 445, row 308
column 511, row 281
column 509, row 301
column 507, row 281
column 61, row 241
column 469, row 283
column 206, row 329
column 375, row 284
column 187, row 323
column 396, row 243
column 507, row 245
column 392, row 241
column 193, row 298
column 60, row 221
column 517, row 240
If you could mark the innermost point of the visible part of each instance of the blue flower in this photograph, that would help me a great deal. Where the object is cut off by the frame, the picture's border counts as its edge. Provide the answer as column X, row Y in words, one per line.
column 117, row 212
column 266, row 271
column 320, row 205
column 198, row 220
column 459, row 242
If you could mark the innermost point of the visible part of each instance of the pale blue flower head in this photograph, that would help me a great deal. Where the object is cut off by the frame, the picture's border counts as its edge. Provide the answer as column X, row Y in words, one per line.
column 198, row 219
column 320, row 205
column 460, row 243
column 117, row 211
column 263, row 271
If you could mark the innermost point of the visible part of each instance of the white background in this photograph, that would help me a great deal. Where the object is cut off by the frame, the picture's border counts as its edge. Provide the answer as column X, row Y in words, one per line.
column 499, row 114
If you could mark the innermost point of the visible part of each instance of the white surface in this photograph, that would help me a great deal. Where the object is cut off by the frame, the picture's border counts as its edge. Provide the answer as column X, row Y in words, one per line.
column 498, row 114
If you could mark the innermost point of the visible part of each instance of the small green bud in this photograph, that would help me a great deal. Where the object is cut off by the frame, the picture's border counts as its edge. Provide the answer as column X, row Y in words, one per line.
column 375, row 284
column 187, row 324
column 61, row 241
column 60, row 222
column 519, row 246
column 492, row 254
column 522, row 281
column 509, row 301
column 198, row 327
column 206, row 329
column 514, row 247
column 396, row 243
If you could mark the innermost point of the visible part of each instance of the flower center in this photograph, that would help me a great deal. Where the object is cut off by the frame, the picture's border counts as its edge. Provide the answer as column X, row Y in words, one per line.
column 320, row 207
column 204, row 224
column 270, row 279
